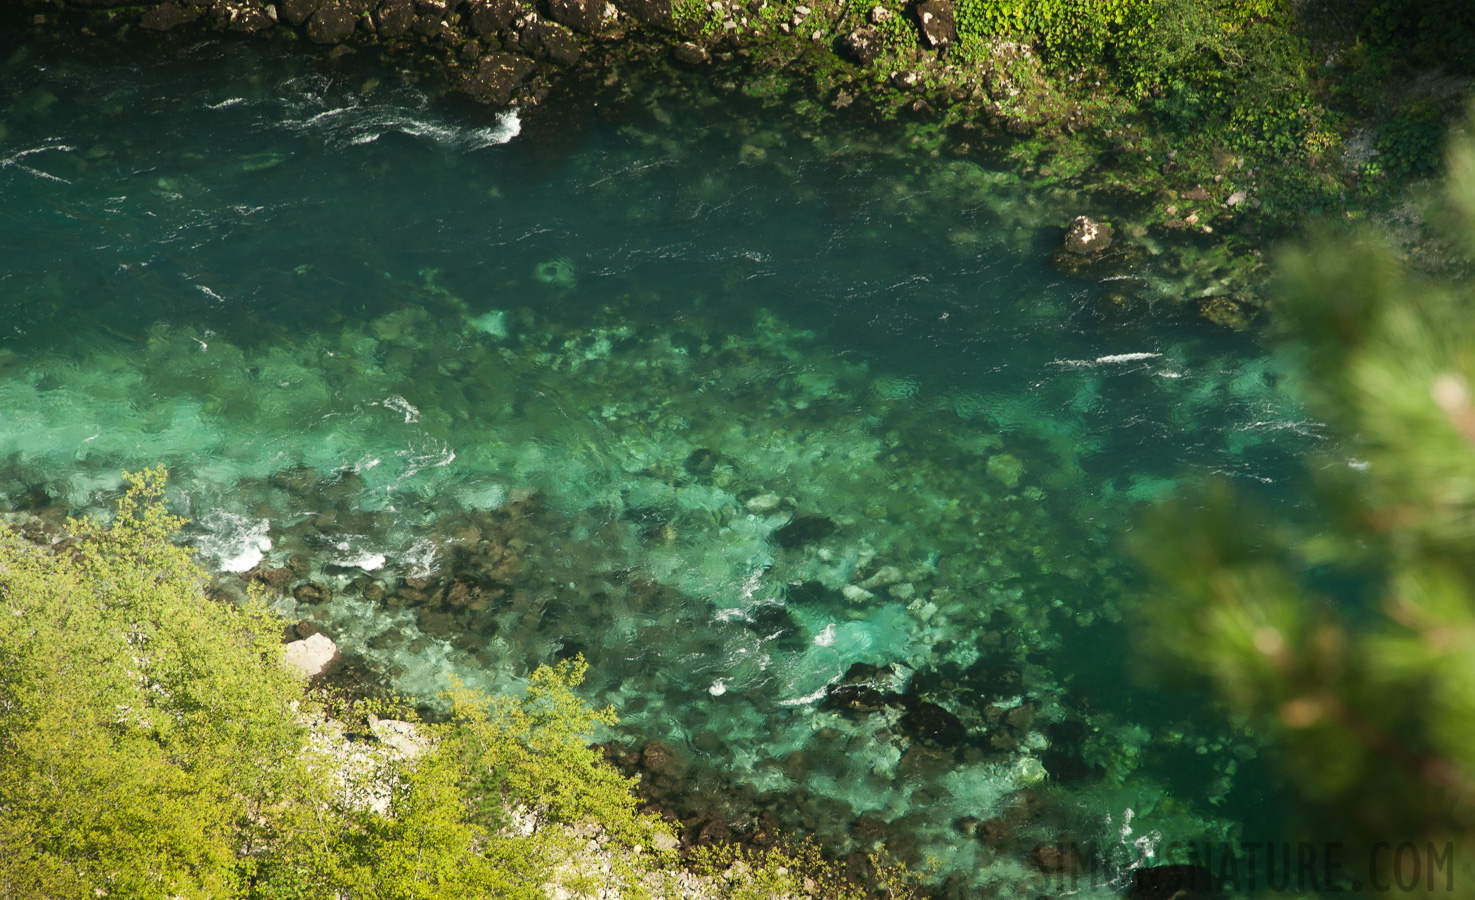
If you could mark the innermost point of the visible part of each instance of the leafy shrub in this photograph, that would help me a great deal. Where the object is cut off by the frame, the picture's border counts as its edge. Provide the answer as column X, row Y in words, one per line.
column 1069, row 32
column 145, row 733
column 1429, row 33
column 1411, row 143
column 151, row 747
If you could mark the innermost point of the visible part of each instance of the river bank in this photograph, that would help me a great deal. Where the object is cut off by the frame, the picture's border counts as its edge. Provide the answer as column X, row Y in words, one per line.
column 1196, row 189
column 803, row 425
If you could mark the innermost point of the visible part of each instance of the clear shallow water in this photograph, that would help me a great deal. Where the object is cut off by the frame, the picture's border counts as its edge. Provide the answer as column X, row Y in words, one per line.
column 732, row 404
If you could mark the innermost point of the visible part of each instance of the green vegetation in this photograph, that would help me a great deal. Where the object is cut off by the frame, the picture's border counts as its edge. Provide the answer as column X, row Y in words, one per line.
column 144, row 740
column 153, row 746
column 1351, row 643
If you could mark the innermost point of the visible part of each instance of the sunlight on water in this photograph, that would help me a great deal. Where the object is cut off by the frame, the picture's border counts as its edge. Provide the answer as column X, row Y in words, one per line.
column 809, row 451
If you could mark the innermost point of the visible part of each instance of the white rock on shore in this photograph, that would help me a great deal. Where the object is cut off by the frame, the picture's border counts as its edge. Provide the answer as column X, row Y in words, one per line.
column 316, row 655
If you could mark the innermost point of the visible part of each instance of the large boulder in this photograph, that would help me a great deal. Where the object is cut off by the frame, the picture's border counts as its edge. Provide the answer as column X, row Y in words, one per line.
column 651, row 12
column 583, row 16
column 863, row 45
column 403, row 739
column 298, row 11
column 554, row 41
column 491, row 16
column 331, row 24
column 497, row 75
column 1087, row 236
column 394, row 17
column 244, row 16
column 939, row 26
column 169, row 15
column 312, row 657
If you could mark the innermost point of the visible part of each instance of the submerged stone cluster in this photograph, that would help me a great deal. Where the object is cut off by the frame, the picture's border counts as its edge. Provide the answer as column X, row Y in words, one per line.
column 839, row 598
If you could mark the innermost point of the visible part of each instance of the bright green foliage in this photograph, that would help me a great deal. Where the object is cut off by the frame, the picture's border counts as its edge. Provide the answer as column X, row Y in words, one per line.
column 445, row 835
column 153, row 746
column 145, row 734
column 1074, row 32
column 1370, row 692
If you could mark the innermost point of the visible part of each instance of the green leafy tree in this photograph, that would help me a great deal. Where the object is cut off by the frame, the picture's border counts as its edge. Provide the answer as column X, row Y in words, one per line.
column 1353, row 642
column 153, row 746
column 145, row 733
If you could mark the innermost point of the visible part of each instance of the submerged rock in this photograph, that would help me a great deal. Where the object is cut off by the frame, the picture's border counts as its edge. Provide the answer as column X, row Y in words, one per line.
column 858, row 698
column 804, row 529
column 931, row 724
column 1088, row 237
column 310, row 592
column 692, row 54
column 1174, row 882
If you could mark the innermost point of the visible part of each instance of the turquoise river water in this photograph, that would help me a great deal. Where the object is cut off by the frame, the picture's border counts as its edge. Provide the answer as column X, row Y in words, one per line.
column 790, row 428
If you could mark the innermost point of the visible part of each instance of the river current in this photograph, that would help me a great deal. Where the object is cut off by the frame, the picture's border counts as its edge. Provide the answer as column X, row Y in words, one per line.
column 786, row 423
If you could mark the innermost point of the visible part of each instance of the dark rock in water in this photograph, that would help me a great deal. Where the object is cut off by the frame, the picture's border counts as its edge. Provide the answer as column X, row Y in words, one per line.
column 803, row 530
column 304, row 629
column 714, row 832
column 311, row 592
column 690, row 53
column 1175, row 882
column 1057, row 859
column 931, row 724
column 997, row 832
column 1227, row 312
column 857, row 698
column 497, row 75
column 583, row 16
column 437, row 623
column 169, row 15
column 994, row 678
column 276, row 579
column 1088, row 237
column 772, row 622
column 298, row 11
column 868, row 829
column 863, row 45
column 331, row 24
column 394, row 17
column 700, row 462
column 242, row 16
column 491, row 16
column 555, row 42
column 649, row 519
column 464, row 591
column 430, row 24
column 813, row 592
column 659, row 758
column 939, row 26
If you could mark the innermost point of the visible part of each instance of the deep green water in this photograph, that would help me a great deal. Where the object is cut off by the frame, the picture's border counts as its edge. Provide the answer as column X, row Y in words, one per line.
column 724, row 399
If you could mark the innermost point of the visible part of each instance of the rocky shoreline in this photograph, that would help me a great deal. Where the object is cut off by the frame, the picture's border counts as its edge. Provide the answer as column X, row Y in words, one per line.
column 511, row 52
column 1197, row 221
